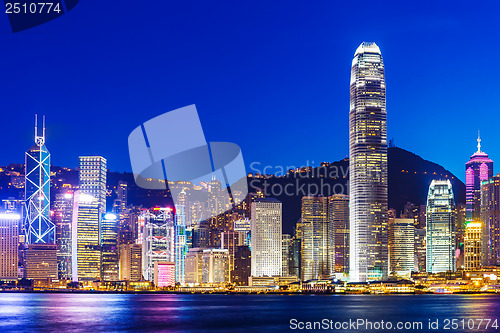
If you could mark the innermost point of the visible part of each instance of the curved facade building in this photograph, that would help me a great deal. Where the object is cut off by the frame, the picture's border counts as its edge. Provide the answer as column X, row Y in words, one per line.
column 440, row 227
column 368, row 166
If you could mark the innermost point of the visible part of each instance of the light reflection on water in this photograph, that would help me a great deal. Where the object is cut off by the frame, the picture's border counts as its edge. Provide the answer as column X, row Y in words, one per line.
column 224, row 313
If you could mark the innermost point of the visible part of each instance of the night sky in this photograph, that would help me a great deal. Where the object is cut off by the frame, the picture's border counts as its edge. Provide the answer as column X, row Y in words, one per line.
column 271, row 76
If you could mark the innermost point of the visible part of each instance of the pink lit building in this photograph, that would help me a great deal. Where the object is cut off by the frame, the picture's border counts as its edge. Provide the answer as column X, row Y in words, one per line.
column 478, row 169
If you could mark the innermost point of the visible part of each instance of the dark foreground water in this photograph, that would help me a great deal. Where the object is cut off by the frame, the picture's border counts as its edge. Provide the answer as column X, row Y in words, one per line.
column 243, row 313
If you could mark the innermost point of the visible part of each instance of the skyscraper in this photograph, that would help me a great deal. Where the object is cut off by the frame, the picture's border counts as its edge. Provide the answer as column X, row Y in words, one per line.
column 180, row 243
column 194, row 266
column 92, row 179
column 91, row 206
column 215, row 267
column 490, row 217
column 440, row 227
column 317, row 257
column 478, row 169
column 266, row 237
column 109, row 247
column 9, row 241
column 472, row 245
column 338, row 214
column 401, row 246
column 130, row 262
column 420, row 249
column 368, row 166
column 286, row 242
column 41, row 261
column 158, row 239
column 38, row 226
column 63, row 219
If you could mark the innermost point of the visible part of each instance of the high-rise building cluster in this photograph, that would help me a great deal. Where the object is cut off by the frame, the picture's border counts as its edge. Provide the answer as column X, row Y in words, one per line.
column 88, row 232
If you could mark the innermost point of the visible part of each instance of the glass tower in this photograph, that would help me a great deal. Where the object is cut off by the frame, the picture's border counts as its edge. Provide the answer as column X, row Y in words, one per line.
column 180, row 243
column 490, row 218
column 317, row 257
column 266, row 237
column 158, row 239
column 38, row 226
column 478, row 169
column 440, row 227
column 63, row 219
column 368, row 166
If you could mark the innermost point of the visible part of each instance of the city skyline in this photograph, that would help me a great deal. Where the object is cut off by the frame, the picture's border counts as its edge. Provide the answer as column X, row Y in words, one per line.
column 316, row 87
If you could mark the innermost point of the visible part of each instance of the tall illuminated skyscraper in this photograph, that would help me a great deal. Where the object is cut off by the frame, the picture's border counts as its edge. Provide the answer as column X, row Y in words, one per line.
column 38, row 226
column 63, row 219
column 92, row 179
column 90, row 204
column 109, row 247
column 338, row 214
column 478, row 169
column 440, row 227
column 368, row 166
column 490, row 218
column 266, row 237
column 158, row 239
column 180, row 243
column 401, row 246
column 86, row 249
column 472, row 245
column 9, row 242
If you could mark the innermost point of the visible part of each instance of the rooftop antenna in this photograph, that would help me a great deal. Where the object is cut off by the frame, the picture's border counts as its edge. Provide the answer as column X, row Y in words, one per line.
column 478, row 141
column 39, row 140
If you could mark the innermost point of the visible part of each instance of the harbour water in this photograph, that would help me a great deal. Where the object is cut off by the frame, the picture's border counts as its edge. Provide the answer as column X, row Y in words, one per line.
column 31, row 312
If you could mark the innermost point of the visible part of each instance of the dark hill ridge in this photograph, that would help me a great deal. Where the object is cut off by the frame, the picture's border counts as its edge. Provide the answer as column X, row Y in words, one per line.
column 410, row 177
column 409, row 180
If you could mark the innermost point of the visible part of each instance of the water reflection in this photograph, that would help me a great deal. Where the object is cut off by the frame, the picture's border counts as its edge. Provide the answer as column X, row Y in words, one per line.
column 223, row 313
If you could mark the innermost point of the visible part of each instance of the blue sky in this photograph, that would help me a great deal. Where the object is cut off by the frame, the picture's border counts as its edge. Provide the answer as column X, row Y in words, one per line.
column 271, row 76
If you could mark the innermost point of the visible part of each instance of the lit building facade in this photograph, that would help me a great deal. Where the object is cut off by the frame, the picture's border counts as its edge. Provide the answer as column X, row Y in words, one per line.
column 490, row 217
column 368, row 187
column 229, row 240
column 338, row 214
column 158, row 239
column 109, row 247
column 286, row 242
column 63, row 219
column 92, row 179
column 41, row 261
column 194, row 266
column 130, row 263
column 180, row 243
column 266, row 237
column 215, row 268
column 164, row 274
column 420, row 250
column 401, row 246
column 317, row 250
column 242, row 227
column 9, row 242
column 86, row 249
column 479, row 168
column 472, row 245
column 90, row 208
column 440, row 227
column 38, row 225
column 242, row 265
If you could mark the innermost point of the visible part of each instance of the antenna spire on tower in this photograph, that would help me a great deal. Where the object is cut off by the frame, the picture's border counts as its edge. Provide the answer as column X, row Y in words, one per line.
column 478, row 142
column 39, row 140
